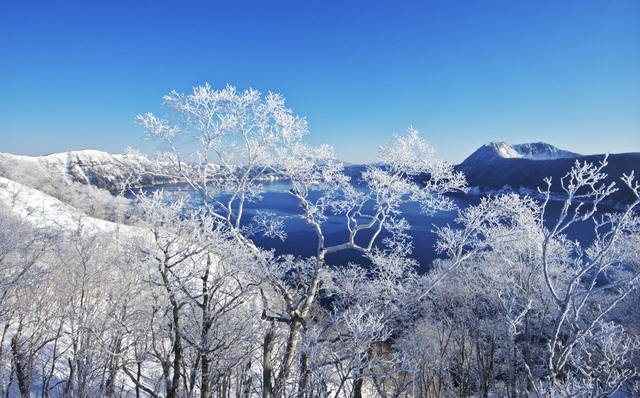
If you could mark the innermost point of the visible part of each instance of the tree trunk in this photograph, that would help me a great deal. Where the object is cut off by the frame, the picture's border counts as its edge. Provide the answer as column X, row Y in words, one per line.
column 290, row 352
column 357, row 388
column 138, row 377
column 22, row 373
column 304, row 376
column 267, row 364
column 172, row 391
column 249, row 381
column 110, row 387
column 174, row 383
column 205, row 377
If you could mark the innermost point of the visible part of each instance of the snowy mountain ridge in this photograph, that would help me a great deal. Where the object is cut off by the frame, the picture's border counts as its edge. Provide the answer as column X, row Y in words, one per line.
column 542, row 151
column 114, row 171
column 92, row 167
column 532, row 150
column 501, row 167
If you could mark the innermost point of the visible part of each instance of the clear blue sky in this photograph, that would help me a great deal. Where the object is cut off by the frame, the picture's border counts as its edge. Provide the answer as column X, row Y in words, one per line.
column 74, row 74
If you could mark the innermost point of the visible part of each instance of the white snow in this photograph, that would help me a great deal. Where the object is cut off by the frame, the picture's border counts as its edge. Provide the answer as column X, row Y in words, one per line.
column 98, row 168
column 542, row 151
column 505, row 150
column 43, row 210
column 533, row 150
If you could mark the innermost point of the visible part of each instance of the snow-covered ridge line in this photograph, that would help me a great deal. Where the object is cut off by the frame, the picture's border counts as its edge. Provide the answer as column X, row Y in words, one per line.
column 101, row 169
column 532, row 151
column 112, row 172
column 542, row 151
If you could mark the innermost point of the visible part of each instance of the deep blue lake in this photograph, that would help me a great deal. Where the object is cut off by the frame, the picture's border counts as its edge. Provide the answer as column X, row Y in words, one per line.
column 301, row 240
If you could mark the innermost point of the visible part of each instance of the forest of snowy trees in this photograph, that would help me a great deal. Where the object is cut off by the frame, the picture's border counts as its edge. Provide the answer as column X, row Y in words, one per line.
column 182, row 301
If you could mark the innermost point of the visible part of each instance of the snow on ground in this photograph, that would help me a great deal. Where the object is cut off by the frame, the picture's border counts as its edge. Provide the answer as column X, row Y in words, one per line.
column 43, row 210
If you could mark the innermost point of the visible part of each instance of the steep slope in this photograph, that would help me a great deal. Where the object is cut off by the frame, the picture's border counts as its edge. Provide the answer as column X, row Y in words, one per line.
column 43, row 210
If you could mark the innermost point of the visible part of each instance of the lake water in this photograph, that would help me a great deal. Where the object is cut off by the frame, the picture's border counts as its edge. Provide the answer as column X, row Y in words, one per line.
column 301, row 240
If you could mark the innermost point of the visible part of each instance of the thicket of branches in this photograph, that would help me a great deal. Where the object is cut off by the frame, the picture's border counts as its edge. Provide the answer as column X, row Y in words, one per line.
column 186, row 304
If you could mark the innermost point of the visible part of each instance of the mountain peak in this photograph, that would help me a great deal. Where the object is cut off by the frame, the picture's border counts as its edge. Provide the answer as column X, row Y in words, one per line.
column 502, row 150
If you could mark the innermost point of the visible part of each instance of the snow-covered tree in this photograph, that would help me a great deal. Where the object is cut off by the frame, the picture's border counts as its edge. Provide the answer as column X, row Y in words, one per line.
column 184, row 302
column 240, row 139
column 547, row 293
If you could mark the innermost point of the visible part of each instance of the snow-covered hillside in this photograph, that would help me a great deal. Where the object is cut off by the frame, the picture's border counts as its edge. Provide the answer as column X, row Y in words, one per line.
column 97, row 168
column 42, row 210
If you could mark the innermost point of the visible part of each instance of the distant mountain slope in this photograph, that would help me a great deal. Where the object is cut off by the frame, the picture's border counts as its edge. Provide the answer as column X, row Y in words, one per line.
column 498, row 172
column 499, row 165
column 542, row 151
column 492, row 151
column 96, row 168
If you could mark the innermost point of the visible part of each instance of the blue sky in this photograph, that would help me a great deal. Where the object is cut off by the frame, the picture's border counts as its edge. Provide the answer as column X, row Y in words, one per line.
column 74, row 74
